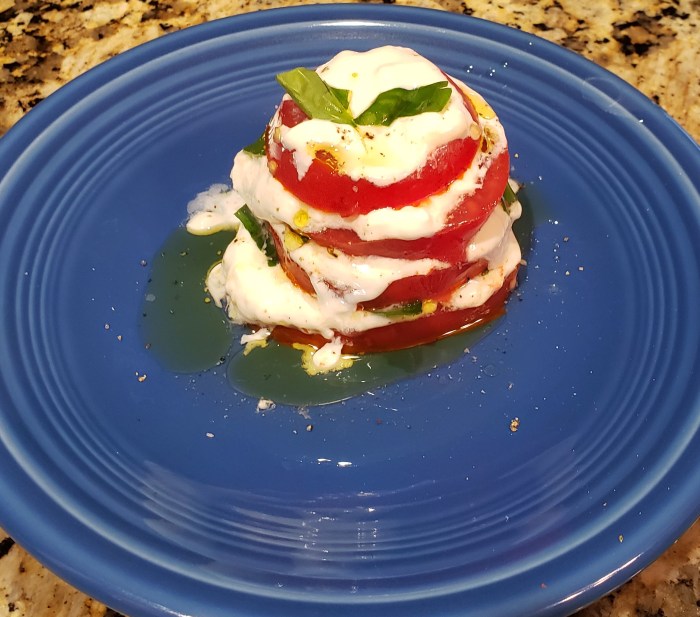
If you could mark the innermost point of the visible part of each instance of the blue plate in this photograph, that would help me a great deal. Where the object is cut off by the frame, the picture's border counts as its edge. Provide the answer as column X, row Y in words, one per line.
column 171, row 495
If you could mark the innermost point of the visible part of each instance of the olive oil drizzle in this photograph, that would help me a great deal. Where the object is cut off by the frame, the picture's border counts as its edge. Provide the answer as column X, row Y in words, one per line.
column 188, row 333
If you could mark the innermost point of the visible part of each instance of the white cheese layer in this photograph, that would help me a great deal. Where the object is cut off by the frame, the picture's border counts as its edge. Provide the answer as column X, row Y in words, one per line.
column 350, row 280
column 369, row 73
column 353, row 279
column 381, row 154
column 214, row 210
column 485, row 243
column 478, row 290
column 255, row 293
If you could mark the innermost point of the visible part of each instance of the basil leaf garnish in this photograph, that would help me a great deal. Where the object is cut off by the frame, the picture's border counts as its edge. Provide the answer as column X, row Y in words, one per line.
column 414, row 307
column 259, row 234
column 319, row 100
column 401, row 103
column 315, row 98
column 257, row 148
column 508, row 198
column 343, row 96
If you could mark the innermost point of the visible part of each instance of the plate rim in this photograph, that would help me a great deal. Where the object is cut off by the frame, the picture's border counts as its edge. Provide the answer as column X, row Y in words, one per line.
column 20, row 136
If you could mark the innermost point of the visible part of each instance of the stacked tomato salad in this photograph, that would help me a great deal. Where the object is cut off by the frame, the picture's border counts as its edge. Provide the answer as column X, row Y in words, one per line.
column 377, row 209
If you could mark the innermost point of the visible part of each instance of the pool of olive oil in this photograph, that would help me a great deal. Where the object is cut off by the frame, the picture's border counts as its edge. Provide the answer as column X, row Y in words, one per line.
column 179, row 323
column 188, row 333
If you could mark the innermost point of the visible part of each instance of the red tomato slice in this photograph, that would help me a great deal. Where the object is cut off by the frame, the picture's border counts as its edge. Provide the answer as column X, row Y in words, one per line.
column 324, row 188
column 405, row 334
column 450, row 243
column 292, row 269
column 436, row 284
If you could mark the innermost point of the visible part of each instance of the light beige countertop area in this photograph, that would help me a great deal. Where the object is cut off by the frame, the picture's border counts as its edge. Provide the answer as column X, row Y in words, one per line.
column 654, row 45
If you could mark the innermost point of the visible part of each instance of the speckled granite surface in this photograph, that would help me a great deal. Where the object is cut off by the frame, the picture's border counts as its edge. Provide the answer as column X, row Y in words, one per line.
column 654, row 45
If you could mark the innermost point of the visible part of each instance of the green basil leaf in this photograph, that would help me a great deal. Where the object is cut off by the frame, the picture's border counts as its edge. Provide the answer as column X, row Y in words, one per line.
column 257, row 148
column 315, row 98
column 409, row 308
column 259, row 234
column 343, row 96
column 401, row 103
column 509, row 197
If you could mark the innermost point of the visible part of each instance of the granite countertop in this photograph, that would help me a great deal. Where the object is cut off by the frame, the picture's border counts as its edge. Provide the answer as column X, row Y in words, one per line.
column 652, row 44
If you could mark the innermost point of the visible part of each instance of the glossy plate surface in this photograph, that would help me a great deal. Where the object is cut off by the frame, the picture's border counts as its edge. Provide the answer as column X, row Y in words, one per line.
column 171, row 495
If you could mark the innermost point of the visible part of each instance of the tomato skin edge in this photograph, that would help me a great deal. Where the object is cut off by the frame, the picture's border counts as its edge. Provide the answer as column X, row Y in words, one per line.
column 449, row 244
column 434, row 285
column 324, row 189
column 410, row 333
